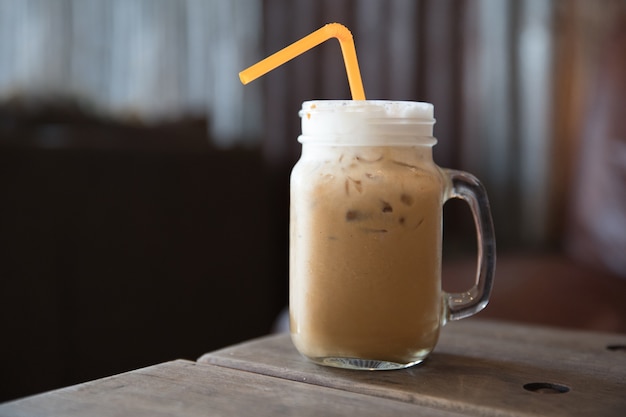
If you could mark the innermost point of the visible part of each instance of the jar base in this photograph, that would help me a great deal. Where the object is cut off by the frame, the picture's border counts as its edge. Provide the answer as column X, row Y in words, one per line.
column 363, row 364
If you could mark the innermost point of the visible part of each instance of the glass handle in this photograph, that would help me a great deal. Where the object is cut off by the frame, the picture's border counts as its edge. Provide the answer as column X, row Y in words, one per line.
column 464, row 304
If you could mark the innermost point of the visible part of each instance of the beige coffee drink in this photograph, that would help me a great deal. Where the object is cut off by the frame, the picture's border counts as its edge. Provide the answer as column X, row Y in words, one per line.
column 365, row 227
column 366, row 224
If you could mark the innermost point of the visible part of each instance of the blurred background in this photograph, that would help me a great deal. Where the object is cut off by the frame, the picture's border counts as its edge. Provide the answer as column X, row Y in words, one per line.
column 144, row 190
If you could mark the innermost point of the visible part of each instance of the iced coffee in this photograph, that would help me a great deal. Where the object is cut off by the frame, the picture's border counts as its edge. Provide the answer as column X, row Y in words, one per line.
column 365, row 231
column 365, row 235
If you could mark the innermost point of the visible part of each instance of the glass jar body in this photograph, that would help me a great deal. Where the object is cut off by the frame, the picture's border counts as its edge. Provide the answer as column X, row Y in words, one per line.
column 365, row 254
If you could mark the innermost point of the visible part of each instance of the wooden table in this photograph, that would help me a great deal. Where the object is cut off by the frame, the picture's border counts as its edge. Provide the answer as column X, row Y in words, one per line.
column 479, row 368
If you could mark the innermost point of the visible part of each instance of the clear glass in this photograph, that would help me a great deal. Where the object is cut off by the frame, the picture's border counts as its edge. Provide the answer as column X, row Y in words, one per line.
column 365, row 237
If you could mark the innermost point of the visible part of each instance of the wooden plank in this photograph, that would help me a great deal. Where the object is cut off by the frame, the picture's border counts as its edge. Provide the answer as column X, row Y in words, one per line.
column 478, row 368
column 546, row 347
column 184, row 388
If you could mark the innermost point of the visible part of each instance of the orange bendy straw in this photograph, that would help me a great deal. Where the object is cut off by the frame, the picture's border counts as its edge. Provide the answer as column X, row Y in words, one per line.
column 331, row 30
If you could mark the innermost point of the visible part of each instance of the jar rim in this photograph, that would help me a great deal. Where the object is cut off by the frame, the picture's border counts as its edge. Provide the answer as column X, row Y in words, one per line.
column 367, row 121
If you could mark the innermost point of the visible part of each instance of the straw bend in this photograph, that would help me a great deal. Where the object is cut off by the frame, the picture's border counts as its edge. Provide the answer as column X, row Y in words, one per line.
column 339, row 31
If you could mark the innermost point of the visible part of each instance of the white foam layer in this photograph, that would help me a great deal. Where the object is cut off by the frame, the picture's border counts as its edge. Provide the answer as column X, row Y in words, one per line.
column 367, row 122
